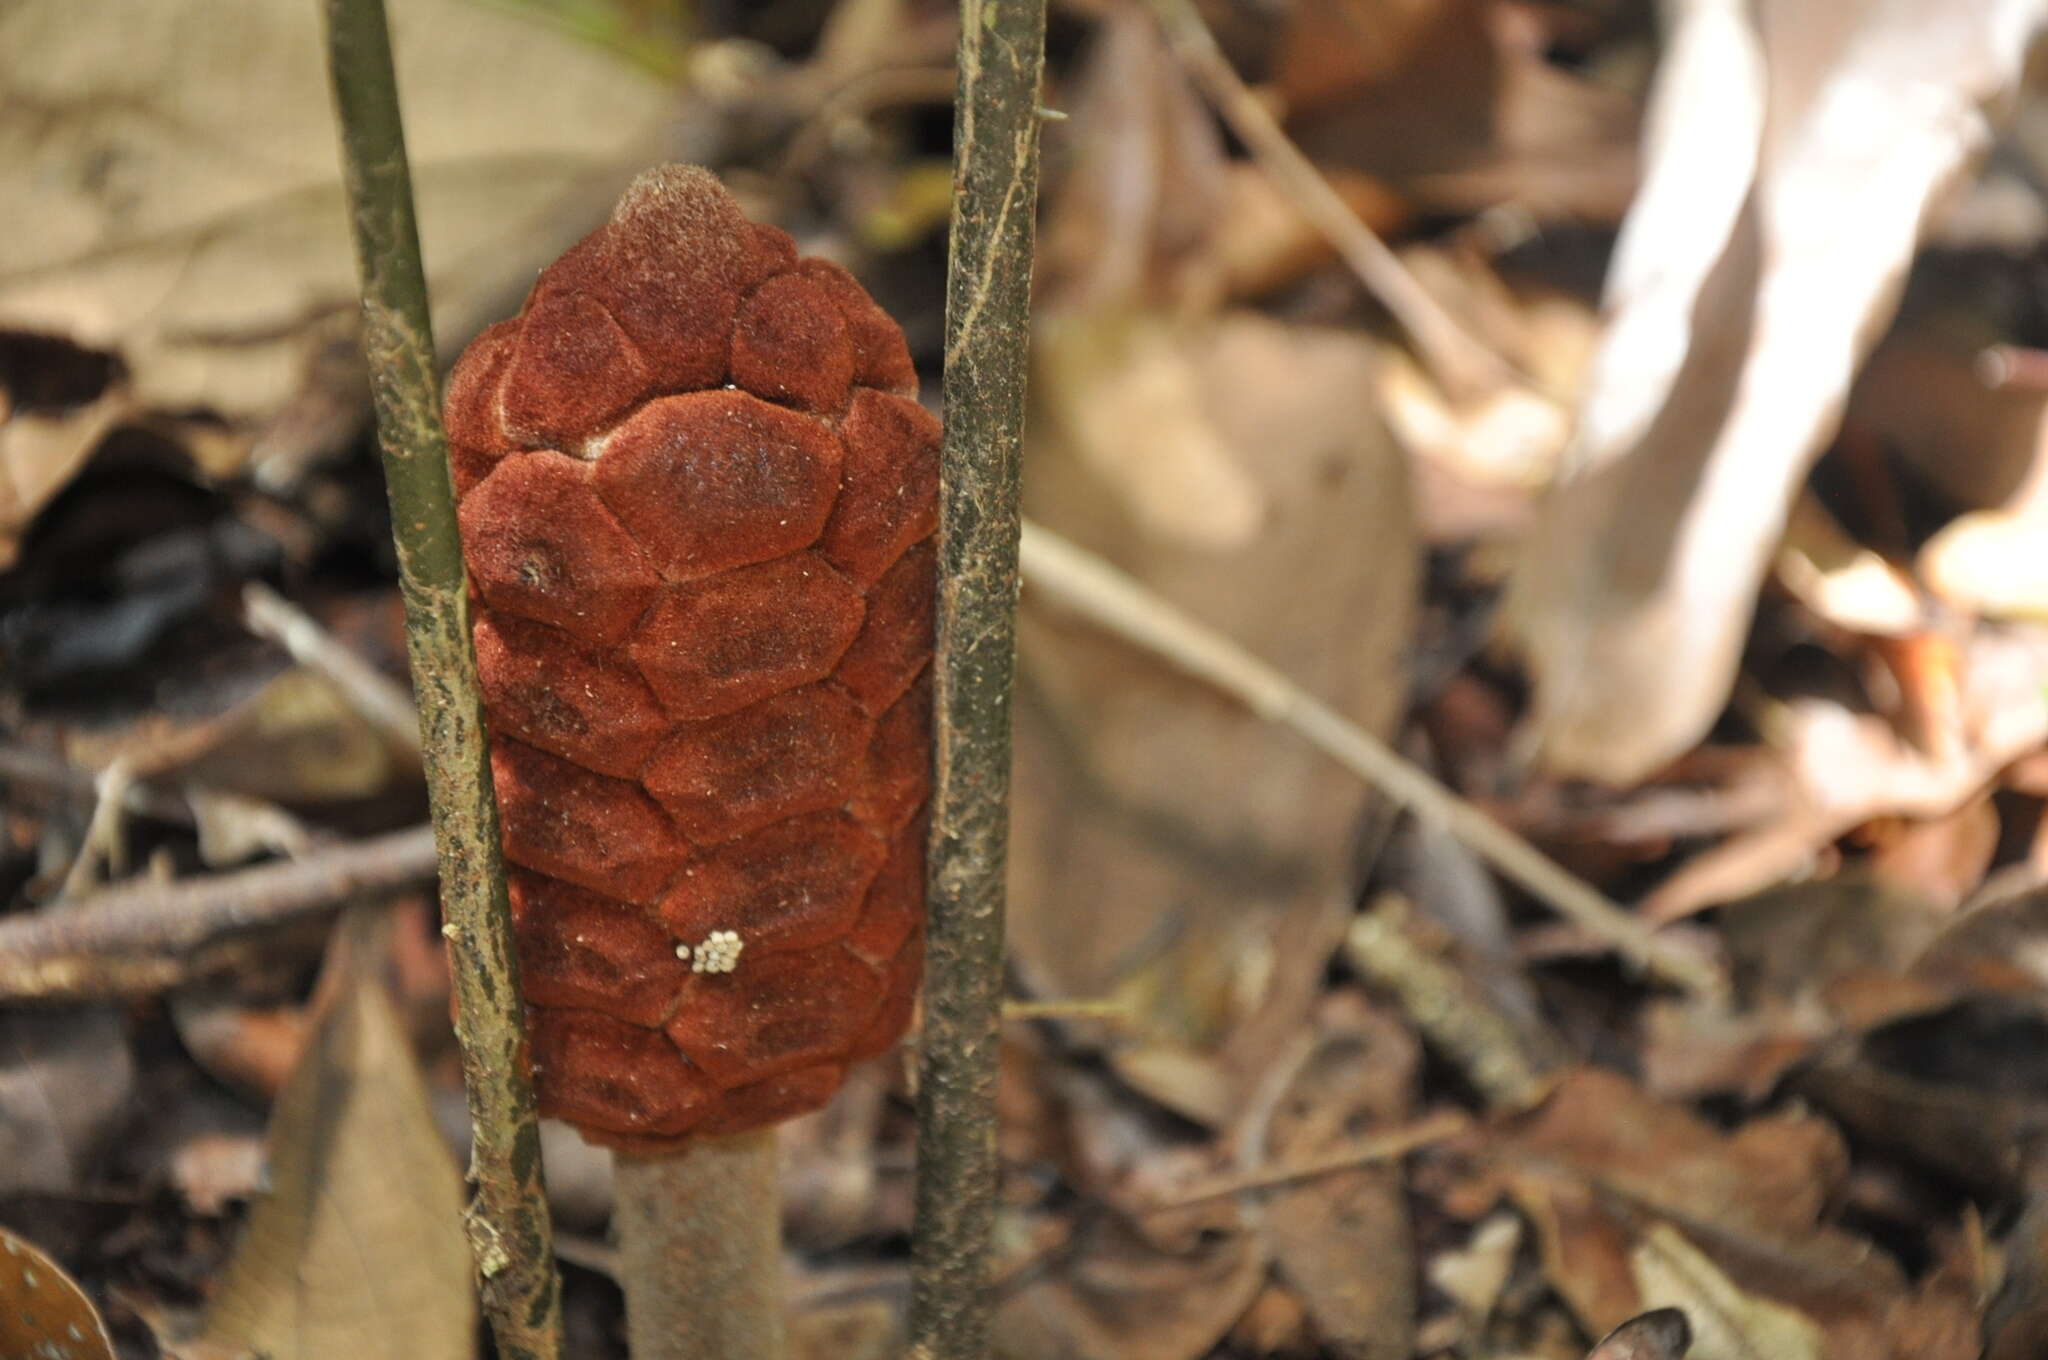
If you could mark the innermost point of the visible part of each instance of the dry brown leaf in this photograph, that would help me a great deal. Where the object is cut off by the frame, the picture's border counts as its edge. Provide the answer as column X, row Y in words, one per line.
column 1449, row 103
column 1124, row 269
column 1728, row 1322
column 2016, row 1321
column 1845, row 768
column 1989, row 560
column 174, row 193
column 1343, row 1240
column 1121, row 1298
column 1946, row 857
column 1473, row 1276
column 1128, row 394
column 1771, row 1178
column 1840, row 580
column 44, row 1315
column 358, row 1249
column 1763, row 253
column 1140, row 179
column 65, row 1079
column 863, row 1329
column 1609, row 1179
column 295, row 739
column 1961, row 1088
column 1924, row 393
column 254, row 1048
column 1262, row 240
column 1170, row 849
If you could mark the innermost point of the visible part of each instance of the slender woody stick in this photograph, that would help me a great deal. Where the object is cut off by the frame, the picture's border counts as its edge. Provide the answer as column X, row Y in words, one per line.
column 1458, row 360
column 509, row 1228
column 1112, row 600
column 132, row 939
column 988, row 309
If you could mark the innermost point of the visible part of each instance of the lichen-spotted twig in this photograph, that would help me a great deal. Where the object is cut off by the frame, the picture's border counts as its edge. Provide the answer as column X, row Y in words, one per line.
column 988, row 307
column 521, row 1290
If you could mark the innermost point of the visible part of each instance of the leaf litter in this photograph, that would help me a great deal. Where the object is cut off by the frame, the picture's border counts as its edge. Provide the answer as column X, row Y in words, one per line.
column 1721, row 588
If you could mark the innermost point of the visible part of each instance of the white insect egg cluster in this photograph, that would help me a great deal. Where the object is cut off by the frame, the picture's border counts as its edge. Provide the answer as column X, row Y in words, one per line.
column 720, row 952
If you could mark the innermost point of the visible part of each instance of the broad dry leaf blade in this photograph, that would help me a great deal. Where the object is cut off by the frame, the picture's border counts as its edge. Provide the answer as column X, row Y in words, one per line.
column 358, row 1250
column 1777, row 220
column 1728, row 1322
column 174, row 188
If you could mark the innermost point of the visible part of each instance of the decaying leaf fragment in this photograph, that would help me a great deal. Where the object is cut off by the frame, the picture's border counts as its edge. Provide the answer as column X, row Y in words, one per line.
column 358, row 1249
column 1730, row 1323
column 1794, row 152
column 174, row 199
column 1638, row 1204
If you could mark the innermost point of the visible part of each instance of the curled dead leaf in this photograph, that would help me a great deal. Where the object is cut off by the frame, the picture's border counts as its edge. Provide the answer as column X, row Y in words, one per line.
column 359, row 1247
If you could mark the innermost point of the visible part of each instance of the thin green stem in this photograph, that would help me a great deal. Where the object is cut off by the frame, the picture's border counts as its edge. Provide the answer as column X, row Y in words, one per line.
column 988, row 307
column 509, row 1226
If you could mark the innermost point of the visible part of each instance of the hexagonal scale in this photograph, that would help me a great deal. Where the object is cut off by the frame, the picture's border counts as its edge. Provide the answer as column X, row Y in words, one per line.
column 760, row 1104
column 899, row 1001
column 711, row 480
column 789, row 754
column 895, row 775
column 713, row 647
column 895, row 641
column 580, row 950
column 609, row 1075
column 571, row 370
column 788, row 886
column 776, row 1014
column 892, row 484
column 598, row 833
column 544, row 689
column 895, row 900
column 541, row 546
column 790, row 344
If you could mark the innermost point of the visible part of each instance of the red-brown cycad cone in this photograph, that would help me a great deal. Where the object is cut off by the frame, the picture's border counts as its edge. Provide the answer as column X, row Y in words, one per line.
column 697, row 502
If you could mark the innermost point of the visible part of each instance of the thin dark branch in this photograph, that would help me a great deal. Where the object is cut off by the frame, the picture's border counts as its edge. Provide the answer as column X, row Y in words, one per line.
column 509, row 1224
column 988, row 312
column 132, row 939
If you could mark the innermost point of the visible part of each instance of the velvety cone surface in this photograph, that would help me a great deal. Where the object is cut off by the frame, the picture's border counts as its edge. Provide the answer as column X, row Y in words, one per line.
column 697, row 502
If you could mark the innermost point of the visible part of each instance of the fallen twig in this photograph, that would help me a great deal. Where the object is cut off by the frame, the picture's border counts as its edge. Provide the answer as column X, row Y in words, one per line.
column 1092, row 587
column 105, row 841
column 128, row 939
column 1379, row 1147
column 382, row 701
column 46, row 770
column 1460, row 362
